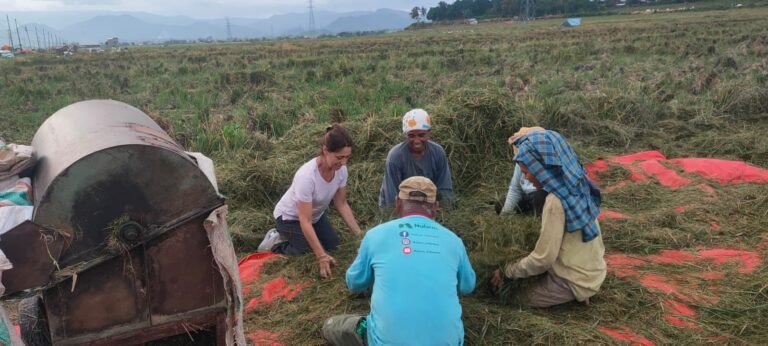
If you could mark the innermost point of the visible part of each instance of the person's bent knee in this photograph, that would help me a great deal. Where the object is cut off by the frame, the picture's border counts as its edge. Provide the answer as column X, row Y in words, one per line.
column 548, row 291
column 546, row 302
column 341, row 330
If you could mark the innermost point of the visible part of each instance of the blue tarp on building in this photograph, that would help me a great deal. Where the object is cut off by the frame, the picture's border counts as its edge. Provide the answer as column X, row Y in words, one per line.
column 571, row 22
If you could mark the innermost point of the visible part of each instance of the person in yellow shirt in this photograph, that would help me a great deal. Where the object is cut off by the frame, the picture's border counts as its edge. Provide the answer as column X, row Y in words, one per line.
column 569, row 251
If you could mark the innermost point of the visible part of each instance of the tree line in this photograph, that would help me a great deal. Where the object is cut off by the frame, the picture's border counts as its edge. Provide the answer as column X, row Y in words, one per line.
column 464, row 9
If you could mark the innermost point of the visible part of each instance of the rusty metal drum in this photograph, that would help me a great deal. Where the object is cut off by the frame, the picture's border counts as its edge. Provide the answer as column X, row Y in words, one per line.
column 103, row 160
column 117, row 246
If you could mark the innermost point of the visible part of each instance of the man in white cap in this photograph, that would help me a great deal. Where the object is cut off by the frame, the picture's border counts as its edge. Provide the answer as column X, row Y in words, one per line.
column 415, row 269
column 416, row 156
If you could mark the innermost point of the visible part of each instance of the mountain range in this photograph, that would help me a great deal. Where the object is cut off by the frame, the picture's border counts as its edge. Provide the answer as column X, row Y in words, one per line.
column 96, row 27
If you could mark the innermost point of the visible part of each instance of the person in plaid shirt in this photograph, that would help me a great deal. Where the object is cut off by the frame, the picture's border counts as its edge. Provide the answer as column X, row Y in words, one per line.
column 569, row 251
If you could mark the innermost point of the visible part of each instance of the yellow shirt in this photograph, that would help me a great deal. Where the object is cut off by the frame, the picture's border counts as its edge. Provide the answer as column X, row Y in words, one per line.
column 564, row 254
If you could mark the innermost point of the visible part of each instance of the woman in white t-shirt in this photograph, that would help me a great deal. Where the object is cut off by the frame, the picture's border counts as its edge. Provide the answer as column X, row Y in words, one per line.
column 300, row 213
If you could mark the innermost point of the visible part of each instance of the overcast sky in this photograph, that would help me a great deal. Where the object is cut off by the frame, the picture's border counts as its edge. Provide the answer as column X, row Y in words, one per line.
column 210, row 8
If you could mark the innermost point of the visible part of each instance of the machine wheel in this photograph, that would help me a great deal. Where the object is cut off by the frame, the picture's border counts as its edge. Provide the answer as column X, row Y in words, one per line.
column 33, row 322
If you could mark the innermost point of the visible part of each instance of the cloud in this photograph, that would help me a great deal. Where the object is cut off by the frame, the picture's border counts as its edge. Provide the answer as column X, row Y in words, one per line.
column 211, row 8
column 29, row 5
column 100, row 3
column 254, row 4
column 57, row 5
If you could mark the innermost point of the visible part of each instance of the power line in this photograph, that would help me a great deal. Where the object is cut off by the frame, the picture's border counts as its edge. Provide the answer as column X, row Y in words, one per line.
column 37, row 37
column 21, row 46
column 311, row 17
column 29, row 42
column 229, row 30
column 527, row 10
column 10, row 33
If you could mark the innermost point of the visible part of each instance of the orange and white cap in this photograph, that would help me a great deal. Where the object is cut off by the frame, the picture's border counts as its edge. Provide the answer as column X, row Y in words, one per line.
column 416, row 119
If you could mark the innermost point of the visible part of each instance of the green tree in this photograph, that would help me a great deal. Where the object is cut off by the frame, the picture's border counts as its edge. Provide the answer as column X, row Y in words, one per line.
column 505, row 8
column 438, row 13
column 416, row 13
column 461, row 9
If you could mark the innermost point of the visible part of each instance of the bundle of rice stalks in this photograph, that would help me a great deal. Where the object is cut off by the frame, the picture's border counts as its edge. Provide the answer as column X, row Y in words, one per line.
column 374, row 136
column 248, row 225
column 473, row 126
column 363, row 189
column 733, row 142
column 257, row 181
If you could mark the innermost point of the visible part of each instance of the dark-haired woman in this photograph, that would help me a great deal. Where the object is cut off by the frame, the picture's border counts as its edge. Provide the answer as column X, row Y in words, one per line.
column 300, row 213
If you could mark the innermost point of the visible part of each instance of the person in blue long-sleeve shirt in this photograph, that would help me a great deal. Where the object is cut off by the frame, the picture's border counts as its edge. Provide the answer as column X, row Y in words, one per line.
column 416, row 269
column 416, row 156
column 522, row 196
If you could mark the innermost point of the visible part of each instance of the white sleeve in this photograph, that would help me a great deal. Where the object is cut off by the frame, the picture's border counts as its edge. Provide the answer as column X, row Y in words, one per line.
column 303, row 187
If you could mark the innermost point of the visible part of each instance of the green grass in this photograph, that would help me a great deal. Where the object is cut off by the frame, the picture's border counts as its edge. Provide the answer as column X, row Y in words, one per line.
column 690, row 84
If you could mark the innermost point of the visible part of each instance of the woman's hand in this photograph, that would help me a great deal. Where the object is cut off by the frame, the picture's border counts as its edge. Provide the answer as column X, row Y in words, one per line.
column 497, row 279
column 340, row 202
column 326, row 262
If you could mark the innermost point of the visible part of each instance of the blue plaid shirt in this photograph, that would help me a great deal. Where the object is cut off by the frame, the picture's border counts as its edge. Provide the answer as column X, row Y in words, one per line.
column 554, row 163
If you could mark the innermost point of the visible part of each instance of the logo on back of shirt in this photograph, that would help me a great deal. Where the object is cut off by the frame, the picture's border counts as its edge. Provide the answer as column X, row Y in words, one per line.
column 407, row 250
column 406, row 225
column 406, row 241
column 404, row 234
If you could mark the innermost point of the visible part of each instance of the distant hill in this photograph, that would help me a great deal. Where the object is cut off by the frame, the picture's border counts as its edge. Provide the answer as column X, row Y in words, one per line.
column 98, row 29
column 291, row 21
column 290, row 24
column 131, row 29
column 158, row 19
column 56, row 19
column 141, row 27
column 383, row 19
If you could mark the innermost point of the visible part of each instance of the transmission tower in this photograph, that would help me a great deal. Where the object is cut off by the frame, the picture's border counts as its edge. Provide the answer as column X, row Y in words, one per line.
column 29, row 42
column 311, row 17
column 38, row 38
column 229, row 30
column 18, row 35
column 10, row 33
column 527, row 10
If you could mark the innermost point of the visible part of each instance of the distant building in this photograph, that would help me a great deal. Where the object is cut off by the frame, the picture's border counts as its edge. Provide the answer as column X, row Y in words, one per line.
column 571, row 22
column 91, row 48
column 472, row 21
column 111, row 43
